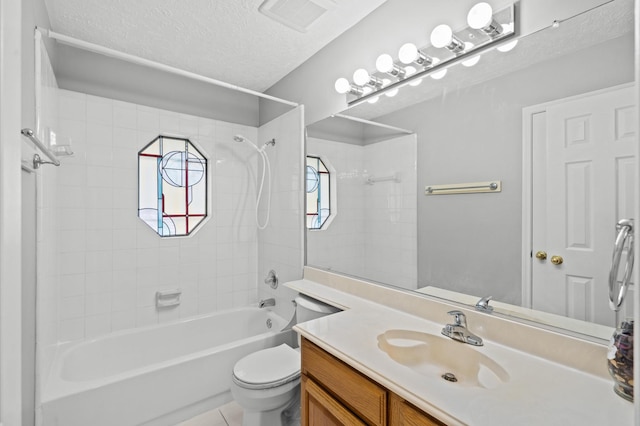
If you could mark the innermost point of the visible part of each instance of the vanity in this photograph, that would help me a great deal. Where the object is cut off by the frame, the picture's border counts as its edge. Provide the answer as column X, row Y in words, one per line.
column 384, row 361
column 334, row 393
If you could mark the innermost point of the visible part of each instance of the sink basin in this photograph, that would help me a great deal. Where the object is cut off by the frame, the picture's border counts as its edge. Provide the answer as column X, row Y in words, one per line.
column 438, row 356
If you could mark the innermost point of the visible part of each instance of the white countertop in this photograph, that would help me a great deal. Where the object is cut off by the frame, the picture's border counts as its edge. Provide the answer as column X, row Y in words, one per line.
column 538, row 391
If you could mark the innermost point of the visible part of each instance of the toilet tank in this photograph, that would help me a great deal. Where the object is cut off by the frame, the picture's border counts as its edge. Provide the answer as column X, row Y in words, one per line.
column 308, row 308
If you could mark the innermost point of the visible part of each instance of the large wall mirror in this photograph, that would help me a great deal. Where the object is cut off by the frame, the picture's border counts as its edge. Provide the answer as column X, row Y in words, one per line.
column 552, row 120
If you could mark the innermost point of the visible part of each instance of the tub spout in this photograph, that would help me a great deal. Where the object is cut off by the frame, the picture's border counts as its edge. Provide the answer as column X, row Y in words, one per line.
column 267, row 302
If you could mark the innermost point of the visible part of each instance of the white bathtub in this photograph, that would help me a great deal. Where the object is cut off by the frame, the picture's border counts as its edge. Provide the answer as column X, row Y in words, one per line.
column 156, row 375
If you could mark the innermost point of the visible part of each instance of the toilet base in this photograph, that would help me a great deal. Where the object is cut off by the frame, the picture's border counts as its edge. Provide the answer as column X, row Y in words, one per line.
column 286, row 415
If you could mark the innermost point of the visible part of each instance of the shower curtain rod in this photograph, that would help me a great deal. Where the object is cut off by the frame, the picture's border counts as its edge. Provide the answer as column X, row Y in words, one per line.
column 373, row 123
column 96, row 48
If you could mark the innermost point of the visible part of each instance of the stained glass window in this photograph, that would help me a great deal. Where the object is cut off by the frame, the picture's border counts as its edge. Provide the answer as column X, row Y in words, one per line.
column 318, row 193
column 172, row 186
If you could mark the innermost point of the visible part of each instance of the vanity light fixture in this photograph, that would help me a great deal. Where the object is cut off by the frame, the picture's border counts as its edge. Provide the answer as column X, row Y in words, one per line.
column 480, row 17
column 506, row 47
column 438, row 74
column 385, row 64
column 410, row 54
column 442, row 36
column 343, row 86
column 486, row 29
column 472, row 61
column 411, row 70
column 361, row 77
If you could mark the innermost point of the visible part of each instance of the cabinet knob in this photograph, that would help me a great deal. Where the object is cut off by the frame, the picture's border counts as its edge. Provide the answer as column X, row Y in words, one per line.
column 542, row 255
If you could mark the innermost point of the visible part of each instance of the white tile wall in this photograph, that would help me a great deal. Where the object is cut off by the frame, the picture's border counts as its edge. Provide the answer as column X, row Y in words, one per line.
column 391, row 213
column 373, row 233
column 281, row 244
column 341, row 245
column 106, row 264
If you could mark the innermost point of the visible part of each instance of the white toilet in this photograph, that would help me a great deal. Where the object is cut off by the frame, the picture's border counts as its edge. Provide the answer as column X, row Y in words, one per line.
column 266, row 383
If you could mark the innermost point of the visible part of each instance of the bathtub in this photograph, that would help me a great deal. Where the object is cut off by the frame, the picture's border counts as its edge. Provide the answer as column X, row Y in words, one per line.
column 157, row 375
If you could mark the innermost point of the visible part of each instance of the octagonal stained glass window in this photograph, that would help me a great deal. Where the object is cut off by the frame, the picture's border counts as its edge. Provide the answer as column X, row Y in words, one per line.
column 318, row 193
column 172, row 186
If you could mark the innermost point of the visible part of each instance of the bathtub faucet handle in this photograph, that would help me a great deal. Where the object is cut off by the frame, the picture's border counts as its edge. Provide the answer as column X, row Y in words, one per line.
column 272, row 279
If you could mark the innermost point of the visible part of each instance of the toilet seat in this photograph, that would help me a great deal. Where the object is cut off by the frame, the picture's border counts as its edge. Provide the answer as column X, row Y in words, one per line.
column 268, row 368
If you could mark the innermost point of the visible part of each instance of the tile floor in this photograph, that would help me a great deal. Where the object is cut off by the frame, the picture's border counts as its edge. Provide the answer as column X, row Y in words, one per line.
column 228, row 415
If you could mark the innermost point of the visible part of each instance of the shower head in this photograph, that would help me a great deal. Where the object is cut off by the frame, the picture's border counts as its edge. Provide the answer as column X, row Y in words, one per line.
column 240, row 138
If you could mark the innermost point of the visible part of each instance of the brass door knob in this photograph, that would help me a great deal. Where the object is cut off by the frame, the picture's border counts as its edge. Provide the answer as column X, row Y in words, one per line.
column 542, row 255
column 557, row 260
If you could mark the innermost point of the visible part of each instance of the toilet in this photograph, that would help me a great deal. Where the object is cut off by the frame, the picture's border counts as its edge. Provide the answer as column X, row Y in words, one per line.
column 266, row 383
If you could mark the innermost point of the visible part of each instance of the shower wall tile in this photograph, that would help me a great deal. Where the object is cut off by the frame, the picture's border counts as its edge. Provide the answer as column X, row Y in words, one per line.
column 109, row 263
column 280, row 243
column 374, row 224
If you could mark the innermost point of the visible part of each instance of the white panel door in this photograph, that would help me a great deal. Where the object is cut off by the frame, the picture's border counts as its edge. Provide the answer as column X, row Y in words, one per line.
column 583, row 168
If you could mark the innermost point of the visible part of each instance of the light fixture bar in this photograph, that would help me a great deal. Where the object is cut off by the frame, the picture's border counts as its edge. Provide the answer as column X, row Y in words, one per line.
column 509, row 31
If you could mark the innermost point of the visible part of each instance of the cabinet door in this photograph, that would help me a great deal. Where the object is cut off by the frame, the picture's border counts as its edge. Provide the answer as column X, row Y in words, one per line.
column 401, row 413
column 352, row 389
column 320, row 409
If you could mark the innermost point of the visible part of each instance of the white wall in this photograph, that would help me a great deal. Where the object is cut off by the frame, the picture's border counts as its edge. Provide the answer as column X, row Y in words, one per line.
column 474, row 134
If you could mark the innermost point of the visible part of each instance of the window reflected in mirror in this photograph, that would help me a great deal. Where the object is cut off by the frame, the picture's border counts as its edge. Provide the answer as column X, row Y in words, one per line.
column 318, row 187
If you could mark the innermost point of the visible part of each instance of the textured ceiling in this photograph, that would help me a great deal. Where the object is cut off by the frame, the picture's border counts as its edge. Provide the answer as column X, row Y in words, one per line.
column 227, row 40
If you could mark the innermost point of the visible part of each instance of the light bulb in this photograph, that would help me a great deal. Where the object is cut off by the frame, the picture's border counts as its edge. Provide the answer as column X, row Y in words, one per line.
column 442, row 36
column 411, row 70
column 408, row 53
column 373, row 100
column 438, row 74
column 342, row 85
column 391, row 93
column 472, row 61
column 480, row 16
column 384, row 63
column 361, row 77
column 507, row 46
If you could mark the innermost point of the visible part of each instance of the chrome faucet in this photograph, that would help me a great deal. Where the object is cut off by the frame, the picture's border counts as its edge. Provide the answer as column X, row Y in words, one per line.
column 267, row 302
column 483, row 305
column 458, row 330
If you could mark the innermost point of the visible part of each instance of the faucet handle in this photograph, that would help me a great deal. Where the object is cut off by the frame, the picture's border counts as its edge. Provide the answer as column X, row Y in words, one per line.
column 483, row 304
column 459, row 318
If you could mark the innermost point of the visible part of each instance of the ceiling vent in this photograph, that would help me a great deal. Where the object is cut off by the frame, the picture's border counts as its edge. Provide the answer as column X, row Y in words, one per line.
column 296, row 14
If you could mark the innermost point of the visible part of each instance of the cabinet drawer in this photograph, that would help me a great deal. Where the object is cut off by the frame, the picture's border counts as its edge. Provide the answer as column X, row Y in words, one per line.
column 364, row 397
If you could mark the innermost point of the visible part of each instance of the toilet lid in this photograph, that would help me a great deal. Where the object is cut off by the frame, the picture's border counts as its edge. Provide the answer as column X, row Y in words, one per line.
column 272, row 366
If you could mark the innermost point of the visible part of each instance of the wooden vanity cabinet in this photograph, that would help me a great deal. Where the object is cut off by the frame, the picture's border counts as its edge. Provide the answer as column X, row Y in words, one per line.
column 333, row 393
